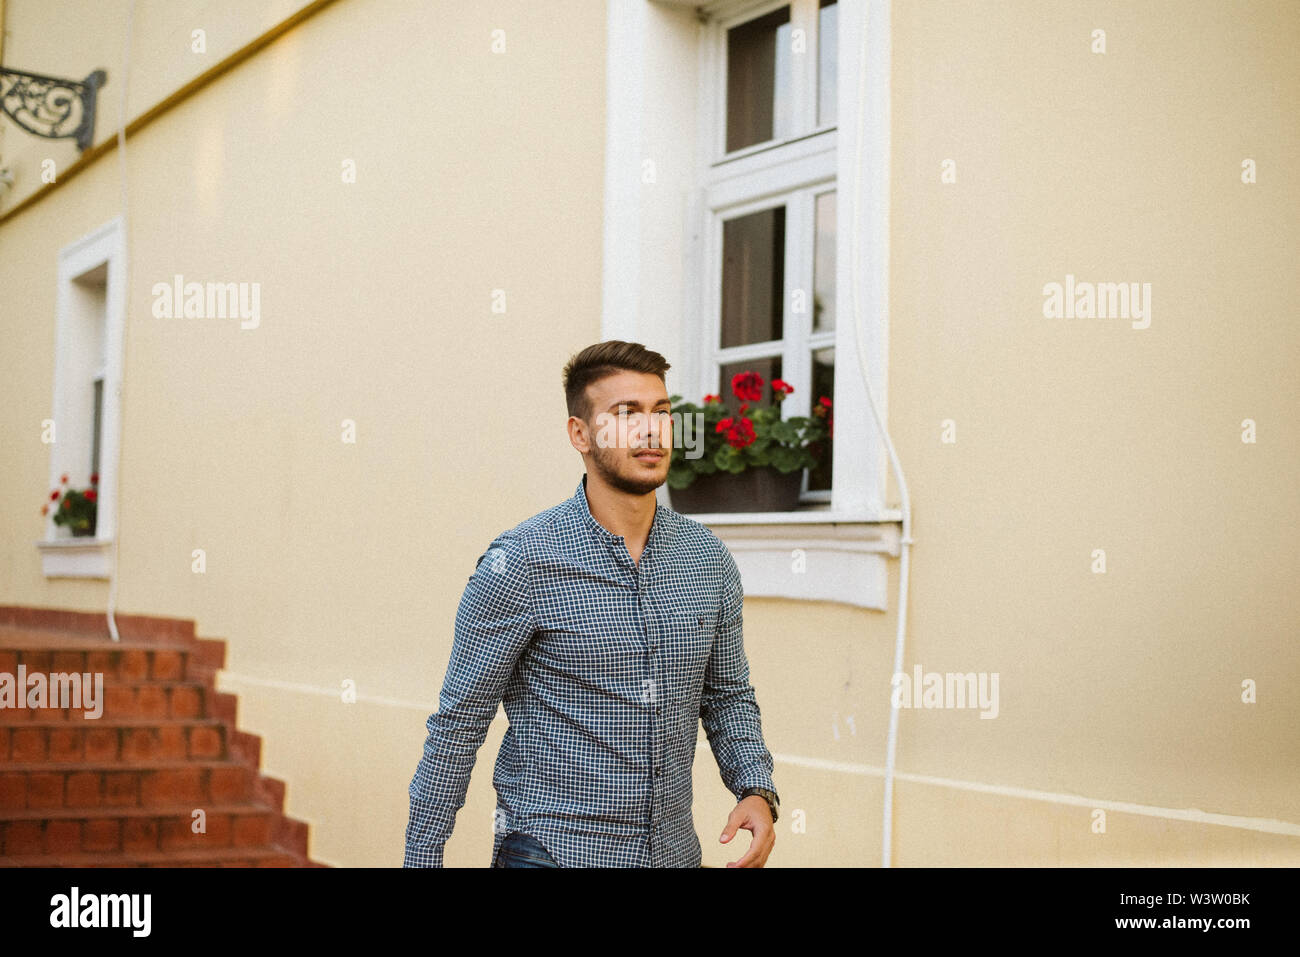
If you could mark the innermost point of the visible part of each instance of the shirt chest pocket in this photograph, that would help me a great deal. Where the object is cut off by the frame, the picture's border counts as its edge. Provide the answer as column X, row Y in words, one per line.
column 689, row 643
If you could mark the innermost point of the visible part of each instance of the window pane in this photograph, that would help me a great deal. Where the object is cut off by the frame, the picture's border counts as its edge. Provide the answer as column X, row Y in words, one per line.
column 753, row 277
column 769, row 368
column 823, row 384
column 824, row 264
column 97, row 424
column 827, row 44
column 758, row 80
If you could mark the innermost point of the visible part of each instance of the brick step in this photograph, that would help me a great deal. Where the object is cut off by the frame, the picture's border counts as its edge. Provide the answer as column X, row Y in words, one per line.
column 93, row 784
column 138, row 699
column 118, row 739
column 128, row 664
column 273, row 856
column 130, row 830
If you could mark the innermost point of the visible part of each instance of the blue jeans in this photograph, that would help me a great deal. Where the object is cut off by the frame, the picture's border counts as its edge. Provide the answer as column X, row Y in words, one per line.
column 522, row 850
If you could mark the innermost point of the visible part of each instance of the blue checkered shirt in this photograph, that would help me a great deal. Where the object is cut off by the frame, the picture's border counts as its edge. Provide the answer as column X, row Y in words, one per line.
column 606, row 668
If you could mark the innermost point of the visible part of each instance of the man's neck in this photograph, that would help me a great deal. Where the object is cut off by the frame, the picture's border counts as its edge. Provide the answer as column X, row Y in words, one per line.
column 630, row 516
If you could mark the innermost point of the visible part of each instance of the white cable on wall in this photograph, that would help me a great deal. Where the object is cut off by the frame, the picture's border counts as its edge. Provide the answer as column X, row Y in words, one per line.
column 126, row 325
column 905, row 541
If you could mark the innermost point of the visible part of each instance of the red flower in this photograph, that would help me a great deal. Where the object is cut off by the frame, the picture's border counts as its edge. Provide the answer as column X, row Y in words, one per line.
column 94, row 478
column 825, row 401
column 54, row 495
column 64, row 480
column 781, row 387
column 742, row 434
column 63, row 505
column 747, row 386
column 91, row 495
column 724, row 425
column 744, row 407
column 712, row 398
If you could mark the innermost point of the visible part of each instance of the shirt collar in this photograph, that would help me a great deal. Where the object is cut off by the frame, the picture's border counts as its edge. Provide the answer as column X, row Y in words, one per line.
column 659, row 530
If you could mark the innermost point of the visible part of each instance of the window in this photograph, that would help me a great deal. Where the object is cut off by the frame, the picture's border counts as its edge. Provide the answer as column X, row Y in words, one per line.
column 746, row 205
column 769, row 204
column 86, row 408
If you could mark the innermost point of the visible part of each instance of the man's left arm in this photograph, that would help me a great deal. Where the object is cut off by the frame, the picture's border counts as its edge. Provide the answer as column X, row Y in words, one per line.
column 730, row 715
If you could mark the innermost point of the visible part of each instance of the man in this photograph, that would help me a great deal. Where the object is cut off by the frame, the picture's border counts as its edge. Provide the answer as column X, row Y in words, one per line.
column 609, row 626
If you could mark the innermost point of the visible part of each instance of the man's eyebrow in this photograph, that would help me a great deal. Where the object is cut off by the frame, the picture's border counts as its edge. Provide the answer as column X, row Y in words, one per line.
column 636, row 404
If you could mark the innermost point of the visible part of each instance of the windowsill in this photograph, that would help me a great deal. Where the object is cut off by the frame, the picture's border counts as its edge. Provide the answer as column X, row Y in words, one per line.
column 811, row 555
column 76, row 557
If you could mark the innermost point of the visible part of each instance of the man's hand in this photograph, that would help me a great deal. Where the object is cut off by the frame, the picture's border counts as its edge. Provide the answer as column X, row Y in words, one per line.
column 755, row 816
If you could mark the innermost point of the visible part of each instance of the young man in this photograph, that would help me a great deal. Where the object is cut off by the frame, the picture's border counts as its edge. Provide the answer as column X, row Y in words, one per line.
column 609, row 627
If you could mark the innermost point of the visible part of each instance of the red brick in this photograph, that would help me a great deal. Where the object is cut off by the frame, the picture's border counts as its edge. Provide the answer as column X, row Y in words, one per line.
column 83, row 789
column 68, row 662
column 171, row 742
column 101, row 834
column 171, row 787
column 138, row 744
column 99, row 662
column 9, row 662
column 179, row 832
column 37, row 660
column 151, row 701
column 28, row 744
column 122, row 789
column 62, row 837
column 119, row 702
column 4, row 744
column 101, row 744
column 205, row 742
column 167, row 666
column 44, row 790
column 133, row 666
column 252, row 830
column 22, row 837
column 13, row 792
column 65, row 744
column 140, row 834
column 229, row 784
column 185, row 702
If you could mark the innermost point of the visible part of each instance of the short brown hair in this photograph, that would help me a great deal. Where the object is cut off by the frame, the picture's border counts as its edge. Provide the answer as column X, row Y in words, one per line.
column 605, row 359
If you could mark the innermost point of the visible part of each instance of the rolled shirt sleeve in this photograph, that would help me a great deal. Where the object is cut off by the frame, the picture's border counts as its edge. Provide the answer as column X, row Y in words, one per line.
column 494, row 624
column 728, row 707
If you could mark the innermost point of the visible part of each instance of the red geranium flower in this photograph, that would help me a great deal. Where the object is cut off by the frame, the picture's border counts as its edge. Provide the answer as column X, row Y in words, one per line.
column 94, row 478
column 54, row 495
column 724, row 425
column 825, row 401
column 712, row 398
column 781, row 387
column 64, row 480
column 91, row 495
column 747, row 386
column 742, row 434
column 744, row 407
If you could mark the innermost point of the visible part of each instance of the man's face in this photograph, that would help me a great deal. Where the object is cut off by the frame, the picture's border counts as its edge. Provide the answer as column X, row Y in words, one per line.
column 631, row 435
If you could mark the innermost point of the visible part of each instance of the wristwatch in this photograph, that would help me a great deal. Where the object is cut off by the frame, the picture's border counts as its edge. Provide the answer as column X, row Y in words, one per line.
column 768, row 796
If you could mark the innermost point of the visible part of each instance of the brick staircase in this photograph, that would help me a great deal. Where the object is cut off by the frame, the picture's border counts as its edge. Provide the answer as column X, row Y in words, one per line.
column 120, row 790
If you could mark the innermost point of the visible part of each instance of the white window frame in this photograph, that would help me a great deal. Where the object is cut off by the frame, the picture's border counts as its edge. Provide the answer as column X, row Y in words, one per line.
column 63, row 556
column 660, row 265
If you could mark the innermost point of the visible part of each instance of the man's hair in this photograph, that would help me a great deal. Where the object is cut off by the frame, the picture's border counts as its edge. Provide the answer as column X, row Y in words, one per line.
column 605, row 359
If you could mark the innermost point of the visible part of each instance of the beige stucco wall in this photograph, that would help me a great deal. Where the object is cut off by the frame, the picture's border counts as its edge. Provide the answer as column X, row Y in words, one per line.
column 328, row 561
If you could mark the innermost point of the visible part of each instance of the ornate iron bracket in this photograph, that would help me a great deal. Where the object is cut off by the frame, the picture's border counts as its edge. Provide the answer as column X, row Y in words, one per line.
column 51, row 107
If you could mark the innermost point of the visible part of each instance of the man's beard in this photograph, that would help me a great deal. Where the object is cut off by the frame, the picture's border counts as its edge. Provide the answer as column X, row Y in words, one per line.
column 606, row 464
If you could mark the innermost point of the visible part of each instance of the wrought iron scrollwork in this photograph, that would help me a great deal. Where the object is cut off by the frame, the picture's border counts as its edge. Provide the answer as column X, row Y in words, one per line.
column 51, row 107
